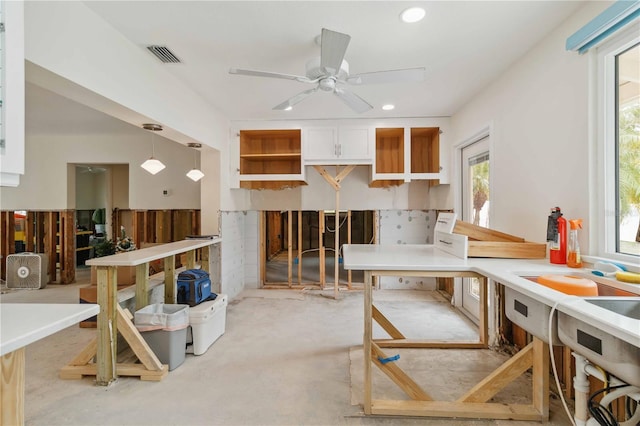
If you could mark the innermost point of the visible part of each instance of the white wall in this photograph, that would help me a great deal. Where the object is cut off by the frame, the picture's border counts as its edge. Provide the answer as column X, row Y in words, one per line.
column 538, row 113
column 48, row 181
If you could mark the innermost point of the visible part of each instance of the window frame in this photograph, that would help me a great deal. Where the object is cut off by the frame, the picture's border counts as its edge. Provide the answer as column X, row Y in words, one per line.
column 604, row 161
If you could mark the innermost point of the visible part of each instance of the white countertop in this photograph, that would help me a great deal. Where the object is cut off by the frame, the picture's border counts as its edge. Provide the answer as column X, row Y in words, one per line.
column 509, row 272
column 140, row 256
column 25, row 323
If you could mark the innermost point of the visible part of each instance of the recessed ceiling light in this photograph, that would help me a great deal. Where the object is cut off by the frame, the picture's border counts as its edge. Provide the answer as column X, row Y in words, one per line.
column 388, row 107
column 413, row 14
column 289, row 108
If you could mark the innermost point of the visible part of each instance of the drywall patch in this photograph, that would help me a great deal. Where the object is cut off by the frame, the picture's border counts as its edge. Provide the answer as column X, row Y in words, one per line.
column 406, row 227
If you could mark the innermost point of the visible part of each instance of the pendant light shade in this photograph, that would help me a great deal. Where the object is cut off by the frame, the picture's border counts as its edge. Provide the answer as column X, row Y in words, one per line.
column 152, row 165
column 195, row 174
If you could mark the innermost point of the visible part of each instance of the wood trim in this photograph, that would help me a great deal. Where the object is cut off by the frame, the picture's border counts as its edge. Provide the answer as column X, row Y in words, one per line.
column 499, row 378
column 398, row 376
column 12, row 387
column 428, row 344
column 290, row 248
column 386, row 324
column 299, row 247
column 455, row 410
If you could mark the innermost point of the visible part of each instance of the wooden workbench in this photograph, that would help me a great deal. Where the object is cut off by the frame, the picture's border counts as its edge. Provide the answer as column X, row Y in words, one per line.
column 112, row 318
column 429, row 261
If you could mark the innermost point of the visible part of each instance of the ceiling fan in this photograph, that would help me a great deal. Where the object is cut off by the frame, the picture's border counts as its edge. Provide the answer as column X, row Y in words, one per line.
column 90, row 169
column 330, row 73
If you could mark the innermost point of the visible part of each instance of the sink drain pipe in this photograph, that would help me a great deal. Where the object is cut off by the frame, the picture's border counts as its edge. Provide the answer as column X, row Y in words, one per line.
column 581, row 386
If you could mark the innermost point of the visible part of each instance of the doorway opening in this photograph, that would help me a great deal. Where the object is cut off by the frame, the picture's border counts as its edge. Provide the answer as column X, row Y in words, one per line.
column 298, row 248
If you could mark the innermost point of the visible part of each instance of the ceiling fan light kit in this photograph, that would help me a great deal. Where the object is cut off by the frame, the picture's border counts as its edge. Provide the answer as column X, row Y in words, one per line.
column 330, row 73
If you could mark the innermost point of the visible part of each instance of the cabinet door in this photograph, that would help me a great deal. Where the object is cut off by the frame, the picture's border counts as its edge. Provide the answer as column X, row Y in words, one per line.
column 356, row 143
column 319, row 144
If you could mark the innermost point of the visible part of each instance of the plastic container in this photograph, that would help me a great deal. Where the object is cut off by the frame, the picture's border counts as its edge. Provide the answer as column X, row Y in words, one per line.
column 557, row 235
column 569, row 284
column 573, row 247
column 207, row 323
column 164, row 328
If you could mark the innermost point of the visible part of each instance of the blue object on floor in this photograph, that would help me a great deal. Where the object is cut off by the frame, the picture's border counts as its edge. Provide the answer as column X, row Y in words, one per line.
column 390, row 359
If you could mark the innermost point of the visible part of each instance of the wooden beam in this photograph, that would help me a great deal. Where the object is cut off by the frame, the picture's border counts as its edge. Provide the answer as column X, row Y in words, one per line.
column 500, row 377
column 386, row 324
column 290, row 248
column 107, row 324
column 483, row 318
column 169, row 282
column 343, row 174
column 349, row 272
column 367, row 340
column 336, row 247
column 67, row 247
column 87, row 354
column 540, row 377
column 455, row 409
column 191, row 259
column 263, row 248
column 137, row 343
column 29, row 232
column 398, row 376
column 299, row 247
column 50, row 244
column 12, row 387
column 321, row 249
column 428, row 344
column 327, row 177
column 142, row 285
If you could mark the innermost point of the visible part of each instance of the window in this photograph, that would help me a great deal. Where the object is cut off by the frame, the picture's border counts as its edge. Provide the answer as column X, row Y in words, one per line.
column 618, row 149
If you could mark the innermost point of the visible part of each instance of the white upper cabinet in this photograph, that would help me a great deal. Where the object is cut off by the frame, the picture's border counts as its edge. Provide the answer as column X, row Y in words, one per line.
column 338, row 145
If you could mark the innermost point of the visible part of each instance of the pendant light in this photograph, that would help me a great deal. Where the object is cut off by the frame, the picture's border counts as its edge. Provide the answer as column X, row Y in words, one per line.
column 195, row 174
column 152, row 165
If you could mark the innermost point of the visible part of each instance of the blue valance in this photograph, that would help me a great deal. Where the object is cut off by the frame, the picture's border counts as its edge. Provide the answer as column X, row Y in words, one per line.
column 605, row 24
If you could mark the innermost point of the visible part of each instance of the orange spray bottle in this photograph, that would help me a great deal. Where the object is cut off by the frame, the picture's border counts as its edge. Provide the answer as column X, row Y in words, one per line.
column 573, row 248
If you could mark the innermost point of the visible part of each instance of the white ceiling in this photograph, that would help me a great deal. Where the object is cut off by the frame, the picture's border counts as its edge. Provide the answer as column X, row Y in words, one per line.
column 464, row 46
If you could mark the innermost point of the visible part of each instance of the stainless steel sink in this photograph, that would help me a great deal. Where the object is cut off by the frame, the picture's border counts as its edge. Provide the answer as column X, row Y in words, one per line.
column 617, row 356
column 531, row 315
column 628, row 307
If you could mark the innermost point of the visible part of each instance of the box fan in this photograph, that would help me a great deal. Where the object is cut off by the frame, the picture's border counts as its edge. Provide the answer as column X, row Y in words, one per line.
column 24, row 270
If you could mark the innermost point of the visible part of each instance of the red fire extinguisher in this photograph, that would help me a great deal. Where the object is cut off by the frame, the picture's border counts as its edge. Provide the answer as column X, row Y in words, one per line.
column 557, row 236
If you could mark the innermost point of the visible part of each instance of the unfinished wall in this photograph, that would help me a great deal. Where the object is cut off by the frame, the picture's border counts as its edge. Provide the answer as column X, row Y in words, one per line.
column 232, row 267
column 406, row 227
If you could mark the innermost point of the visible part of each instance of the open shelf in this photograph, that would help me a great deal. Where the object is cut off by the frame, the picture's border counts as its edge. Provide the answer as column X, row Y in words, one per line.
column 270, row 152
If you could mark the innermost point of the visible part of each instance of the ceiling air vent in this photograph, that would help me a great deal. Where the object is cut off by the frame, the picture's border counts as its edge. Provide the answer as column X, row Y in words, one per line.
column 164, row 54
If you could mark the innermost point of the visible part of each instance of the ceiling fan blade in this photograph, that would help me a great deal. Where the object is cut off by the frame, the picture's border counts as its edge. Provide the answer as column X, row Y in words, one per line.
column 392, row 76
column 333, row 47
column 254, row 73
column 295, row 99
column 354, row 101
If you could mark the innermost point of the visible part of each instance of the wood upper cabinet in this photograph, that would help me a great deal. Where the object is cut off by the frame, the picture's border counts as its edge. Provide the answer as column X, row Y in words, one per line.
column 338, row 145
column 404, row 154
column 270, row 159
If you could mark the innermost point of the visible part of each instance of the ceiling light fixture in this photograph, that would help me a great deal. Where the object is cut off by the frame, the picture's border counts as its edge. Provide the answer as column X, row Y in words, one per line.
column 289, row 108
column 152, row 165
column 413, row 14
column 195, row 174
column 388, row 107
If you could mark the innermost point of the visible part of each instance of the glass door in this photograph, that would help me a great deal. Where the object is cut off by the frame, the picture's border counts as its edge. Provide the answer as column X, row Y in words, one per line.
column 475, row 208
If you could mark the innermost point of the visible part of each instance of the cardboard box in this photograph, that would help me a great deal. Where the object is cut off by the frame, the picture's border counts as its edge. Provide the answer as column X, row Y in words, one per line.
column 126, row 275
column 89, row 294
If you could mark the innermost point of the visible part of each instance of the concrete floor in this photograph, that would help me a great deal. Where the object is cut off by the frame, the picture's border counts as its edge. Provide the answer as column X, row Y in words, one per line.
column 286, row 358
